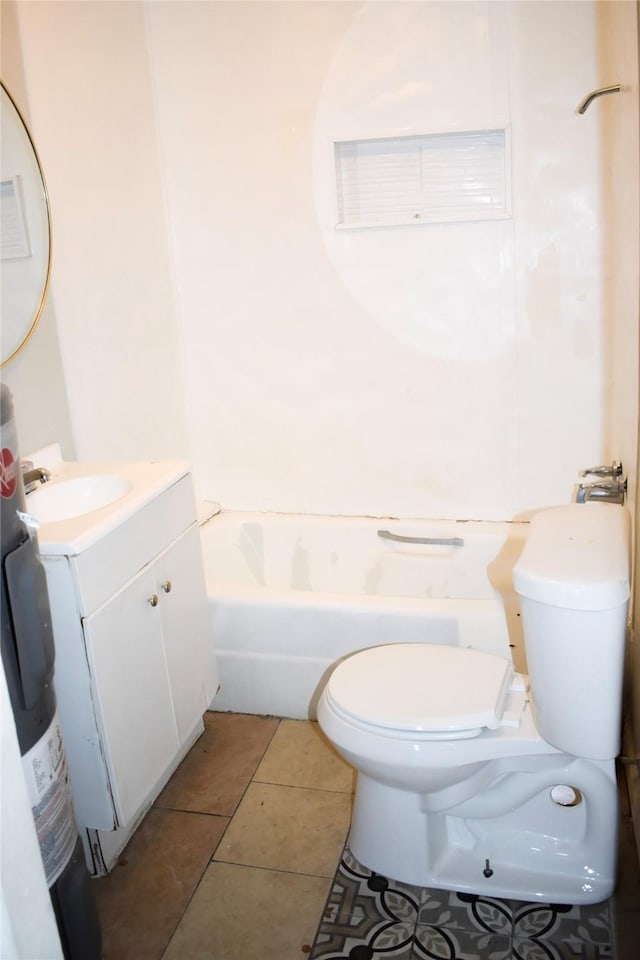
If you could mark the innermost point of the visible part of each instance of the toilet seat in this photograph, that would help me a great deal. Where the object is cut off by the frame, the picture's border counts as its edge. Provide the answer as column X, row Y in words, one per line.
column 437, row 691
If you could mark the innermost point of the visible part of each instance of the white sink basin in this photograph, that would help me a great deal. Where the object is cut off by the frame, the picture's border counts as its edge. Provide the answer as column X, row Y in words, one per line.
column 84, row 502
column 65, row 499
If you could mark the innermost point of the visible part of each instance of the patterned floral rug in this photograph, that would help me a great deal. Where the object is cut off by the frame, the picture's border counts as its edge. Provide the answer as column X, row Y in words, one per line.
column 368, row 917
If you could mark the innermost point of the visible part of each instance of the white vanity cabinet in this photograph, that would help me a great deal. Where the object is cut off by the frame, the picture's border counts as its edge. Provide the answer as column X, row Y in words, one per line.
column 148, row 690
column 135, row 664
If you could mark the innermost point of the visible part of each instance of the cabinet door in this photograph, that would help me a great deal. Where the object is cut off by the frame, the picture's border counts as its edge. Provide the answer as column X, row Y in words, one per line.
column 186, row 627
column 131, row 692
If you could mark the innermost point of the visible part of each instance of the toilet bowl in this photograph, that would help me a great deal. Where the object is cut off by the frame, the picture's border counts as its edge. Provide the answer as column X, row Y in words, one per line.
column 475, row 778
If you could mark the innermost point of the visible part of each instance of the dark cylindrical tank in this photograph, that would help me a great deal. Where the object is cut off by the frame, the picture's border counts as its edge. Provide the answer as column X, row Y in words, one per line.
column 28, row 658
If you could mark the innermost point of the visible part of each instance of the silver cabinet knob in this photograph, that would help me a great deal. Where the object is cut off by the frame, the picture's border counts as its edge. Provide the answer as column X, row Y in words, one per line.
column 154, row 600
column 166, row 586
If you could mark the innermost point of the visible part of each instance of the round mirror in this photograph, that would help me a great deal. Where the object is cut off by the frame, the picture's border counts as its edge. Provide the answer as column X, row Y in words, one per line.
column 25, row 232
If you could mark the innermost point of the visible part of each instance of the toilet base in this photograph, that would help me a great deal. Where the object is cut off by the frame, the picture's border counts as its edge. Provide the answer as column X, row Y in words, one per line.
column 539, row 851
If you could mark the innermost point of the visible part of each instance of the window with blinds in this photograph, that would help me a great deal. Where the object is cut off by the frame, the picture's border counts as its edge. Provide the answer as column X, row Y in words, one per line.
column 425, row 179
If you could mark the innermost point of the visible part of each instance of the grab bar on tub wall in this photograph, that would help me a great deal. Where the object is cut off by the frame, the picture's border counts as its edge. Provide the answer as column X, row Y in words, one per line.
column 436, row 541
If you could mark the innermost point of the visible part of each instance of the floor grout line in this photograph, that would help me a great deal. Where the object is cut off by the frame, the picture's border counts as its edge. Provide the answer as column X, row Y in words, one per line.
column 211, row 858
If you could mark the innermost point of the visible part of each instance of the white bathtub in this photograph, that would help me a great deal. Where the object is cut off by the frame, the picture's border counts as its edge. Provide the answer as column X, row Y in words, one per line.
column 290, row 595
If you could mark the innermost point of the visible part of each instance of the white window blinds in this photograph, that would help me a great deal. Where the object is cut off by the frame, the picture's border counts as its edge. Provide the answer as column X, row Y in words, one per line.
column 431, row 178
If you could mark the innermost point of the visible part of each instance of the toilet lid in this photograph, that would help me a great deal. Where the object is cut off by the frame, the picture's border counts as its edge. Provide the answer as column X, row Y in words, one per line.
column 430, row 688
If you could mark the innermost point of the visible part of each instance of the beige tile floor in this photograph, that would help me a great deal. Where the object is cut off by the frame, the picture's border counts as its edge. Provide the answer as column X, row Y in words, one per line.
column 235, row 859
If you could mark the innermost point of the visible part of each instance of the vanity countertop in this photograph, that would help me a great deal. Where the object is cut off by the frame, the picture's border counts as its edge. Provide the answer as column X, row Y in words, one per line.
column 140, row 482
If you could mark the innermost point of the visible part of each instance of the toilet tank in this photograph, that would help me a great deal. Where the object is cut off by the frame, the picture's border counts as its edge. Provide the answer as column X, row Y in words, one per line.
column 573, row 581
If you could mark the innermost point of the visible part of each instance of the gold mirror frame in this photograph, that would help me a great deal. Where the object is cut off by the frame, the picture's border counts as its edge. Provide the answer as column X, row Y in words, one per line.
column 22, row 199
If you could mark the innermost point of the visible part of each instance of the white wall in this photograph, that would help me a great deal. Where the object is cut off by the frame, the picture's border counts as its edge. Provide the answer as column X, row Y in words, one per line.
column 35, row 377
column 89, row 88
column 619, row 151
column 414, row 371
column 449, row 370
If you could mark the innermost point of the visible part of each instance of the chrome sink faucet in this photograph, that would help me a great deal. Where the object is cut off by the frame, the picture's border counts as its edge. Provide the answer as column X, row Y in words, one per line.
column 32, row 476
column 612, row 490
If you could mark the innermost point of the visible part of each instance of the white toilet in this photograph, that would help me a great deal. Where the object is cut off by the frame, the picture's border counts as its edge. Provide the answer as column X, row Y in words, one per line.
column 470, row 779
